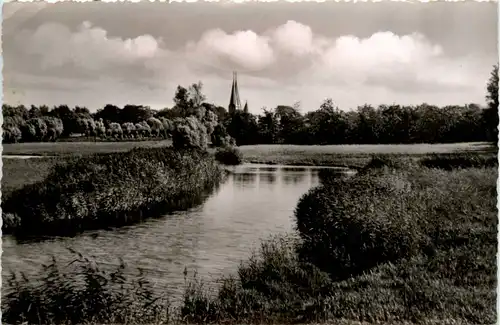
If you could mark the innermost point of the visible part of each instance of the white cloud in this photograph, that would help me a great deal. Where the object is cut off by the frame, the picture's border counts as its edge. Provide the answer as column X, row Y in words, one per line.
column 88, row 48
column 294, row 38
column 245, row 49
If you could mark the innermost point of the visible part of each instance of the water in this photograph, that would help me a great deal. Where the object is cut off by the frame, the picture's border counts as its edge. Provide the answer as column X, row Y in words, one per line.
column 256, row 201
column 23, row 157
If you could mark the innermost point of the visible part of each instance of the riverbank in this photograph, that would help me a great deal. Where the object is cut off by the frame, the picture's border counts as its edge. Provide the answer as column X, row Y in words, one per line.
column 63, row 196
column 410, row 244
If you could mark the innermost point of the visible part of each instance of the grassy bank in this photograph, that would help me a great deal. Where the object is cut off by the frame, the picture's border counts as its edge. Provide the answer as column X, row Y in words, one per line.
column 108, row 190
column 393, row 244
column 398, row 243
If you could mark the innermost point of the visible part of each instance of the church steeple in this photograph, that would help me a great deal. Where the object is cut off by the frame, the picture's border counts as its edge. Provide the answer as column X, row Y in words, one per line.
column 245, row 109
column 234, row 101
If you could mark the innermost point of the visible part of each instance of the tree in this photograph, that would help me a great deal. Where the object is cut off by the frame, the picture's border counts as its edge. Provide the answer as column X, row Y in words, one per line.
column 54, row 127
column 135, row 113
column 195, row 94
column 143, row 129
column 128, row 129
column 156, row 126
column 243, row 128
column 491, row 113
column 181, row 100
column 110, row 113
column 189, row 133
column 268, row 125
column 35, row 129
column 69, row 118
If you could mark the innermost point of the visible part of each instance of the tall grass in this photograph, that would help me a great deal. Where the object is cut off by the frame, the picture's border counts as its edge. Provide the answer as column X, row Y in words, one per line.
column 108, row 190
column 81, row 292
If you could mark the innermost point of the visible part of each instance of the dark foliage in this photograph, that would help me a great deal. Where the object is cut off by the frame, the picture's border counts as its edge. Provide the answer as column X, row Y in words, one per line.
column 229, row 156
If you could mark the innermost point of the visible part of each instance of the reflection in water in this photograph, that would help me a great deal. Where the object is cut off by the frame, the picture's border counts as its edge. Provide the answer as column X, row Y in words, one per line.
column 293, row 178
column 254, row 202
column 267, row 178
column 245, row 178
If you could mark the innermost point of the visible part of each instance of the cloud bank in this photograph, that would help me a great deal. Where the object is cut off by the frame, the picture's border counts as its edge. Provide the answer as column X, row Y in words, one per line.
column 286, row 63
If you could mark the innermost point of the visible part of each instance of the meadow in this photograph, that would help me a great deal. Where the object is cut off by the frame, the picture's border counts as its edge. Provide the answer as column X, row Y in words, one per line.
column 352, row 155
column 77, row 147
column 406, row 242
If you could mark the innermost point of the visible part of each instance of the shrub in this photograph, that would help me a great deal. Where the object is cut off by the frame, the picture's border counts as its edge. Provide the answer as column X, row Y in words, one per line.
column 381, row 163
column 350, row 225
column 229, row 156
column 112, row 189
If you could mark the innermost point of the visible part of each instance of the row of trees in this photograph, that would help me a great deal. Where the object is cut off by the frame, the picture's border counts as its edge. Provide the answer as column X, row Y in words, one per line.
column 44, row 124
column 192, row 118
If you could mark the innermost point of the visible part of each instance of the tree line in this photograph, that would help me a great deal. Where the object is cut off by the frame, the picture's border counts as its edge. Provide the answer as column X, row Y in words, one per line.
column 192, row 121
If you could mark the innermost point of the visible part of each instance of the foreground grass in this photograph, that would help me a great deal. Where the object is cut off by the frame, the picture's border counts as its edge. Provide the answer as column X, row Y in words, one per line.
column 397, row 244
column 109, row 190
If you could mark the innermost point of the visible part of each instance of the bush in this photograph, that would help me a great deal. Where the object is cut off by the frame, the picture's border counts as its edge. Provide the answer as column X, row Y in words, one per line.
column 381, row 163
column 112, row 190
column 229, row 156
column 350, row 225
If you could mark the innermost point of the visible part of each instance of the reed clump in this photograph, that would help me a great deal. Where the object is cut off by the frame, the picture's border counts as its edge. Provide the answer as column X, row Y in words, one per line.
column 109, row 190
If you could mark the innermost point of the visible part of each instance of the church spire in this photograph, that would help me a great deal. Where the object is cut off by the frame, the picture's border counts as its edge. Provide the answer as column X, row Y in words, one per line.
column 234, row 101
column 245, row 109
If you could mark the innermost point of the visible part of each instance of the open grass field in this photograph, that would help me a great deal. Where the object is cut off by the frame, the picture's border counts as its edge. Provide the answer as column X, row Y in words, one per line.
column 351, row 155
column 77, row 148
column 17, row 173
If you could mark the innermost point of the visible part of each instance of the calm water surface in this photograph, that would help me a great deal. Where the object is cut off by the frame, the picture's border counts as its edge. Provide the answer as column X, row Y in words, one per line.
column 256, row 201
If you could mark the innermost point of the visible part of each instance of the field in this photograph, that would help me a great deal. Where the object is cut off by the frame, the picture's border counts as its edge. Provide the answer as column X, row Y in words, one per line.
column 77, row 148
column 351, row 155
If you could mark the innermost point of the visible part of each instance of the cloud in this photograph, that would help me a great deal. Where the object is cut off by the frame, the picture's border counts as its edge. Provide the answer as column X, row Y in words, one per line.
column 87, row 48
column 243, row 49
column 294, row 38
column 284, row 64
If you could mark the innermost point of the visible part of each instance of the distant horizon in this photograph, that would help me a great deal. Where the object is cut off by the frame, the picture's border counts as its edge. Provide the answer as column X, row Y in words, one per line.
column 93, row 54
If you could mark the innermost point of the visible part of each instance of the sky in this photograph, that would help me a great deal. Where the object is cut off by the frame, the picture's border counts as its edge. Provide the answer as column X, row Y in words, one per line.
column 94, row 53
